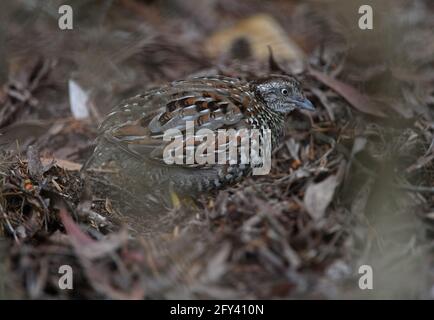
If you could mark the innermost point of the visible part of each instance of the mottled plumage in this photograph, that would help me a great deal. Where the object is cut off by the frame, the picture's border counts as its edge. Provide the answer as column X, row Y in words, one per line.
column 132, row 134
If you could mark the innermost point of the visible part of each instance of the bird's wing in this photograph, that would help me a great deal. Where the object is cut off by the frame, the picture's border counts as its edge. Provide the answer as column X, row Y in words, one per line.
column 146, row 125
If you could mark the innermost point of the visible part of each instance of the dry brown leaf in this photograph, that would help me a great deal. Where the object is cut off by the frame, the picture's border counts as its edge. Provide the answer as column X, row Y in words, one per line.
column 358, row 100
column 78, row 237
column 64, row 164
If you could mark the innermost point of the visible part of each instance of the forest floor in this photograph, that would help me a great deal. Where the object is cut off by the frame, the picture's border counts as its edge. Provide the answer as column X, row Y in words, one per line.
column 351, row 185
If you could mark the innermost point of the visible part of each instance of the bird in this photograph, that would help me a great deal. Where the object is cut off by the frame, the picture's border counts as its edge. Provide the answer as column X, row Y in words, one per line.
column 131, row 143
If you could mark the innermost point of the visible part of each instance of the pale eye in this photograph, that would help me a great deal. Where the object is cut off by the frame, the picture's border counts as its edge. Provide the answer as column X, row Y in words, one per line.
column 284, row 92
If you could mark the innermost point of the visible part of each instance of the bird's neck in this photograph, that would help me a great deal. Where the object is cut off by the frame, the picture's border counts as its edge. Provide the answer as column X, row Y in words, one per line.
column 275, row 121
column 279, row 128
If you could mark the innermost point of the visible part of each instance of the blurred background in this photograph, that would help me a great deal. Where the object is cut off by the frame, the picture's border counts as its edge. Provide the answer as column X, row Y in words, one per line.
column 351, row 185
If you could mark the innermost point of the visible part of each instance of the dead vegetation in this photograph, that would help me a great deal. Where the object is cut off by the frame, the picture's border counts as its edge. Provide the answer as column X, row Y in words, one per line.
column 350, row 185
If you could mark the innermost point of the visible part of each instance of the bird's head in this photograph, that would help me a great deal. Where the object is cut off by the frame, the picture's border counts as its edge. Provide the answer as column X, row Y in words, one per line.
column 281, row 93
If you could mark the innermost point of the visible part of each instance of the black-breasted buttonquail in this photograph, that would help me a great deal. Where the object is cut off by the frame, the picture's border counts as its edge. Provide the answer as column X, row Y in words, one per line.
column 131, row 145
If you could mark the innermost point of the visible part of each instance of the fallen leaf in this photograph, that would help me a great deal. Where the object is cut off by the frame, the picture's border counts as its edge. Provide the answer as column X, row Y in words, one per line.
column 78, row 99
column 78, row 237
column 319, row 195
column 35, row 167
column 259, row 32
column 272, row 63
column 420, row 163
column 64, row 164
column 358, row 100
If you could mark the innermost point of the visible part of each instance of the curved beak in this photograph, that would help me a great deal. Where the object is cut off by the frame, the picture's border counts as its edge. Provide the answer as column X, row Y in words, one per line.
column 304, row 103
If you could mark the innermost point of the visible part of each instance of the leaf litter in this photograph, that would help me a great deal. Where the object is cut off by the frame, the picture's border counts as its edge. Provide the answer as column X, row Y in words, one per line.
column 351, row 184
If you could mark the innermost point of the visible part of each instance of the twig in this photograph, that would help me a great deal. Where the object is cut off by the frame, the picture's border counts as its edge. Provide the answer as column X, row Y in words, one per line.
column 11, row 229
column 411, row 188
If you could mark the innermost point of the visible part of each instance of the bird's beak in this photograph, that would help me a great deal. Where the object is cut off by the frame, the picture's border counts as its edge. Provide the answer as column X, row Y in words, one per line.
column 304, row 103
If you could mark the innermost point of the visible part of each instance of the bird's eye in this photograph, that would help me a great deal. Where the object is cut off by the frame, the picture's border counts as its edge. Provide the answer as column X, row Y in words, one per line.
column 284, row 92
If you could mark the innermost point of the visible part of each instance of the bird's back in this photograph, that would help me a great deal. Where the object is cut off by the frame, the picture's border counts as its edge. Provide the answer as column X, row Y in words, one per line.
column 130, row 148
